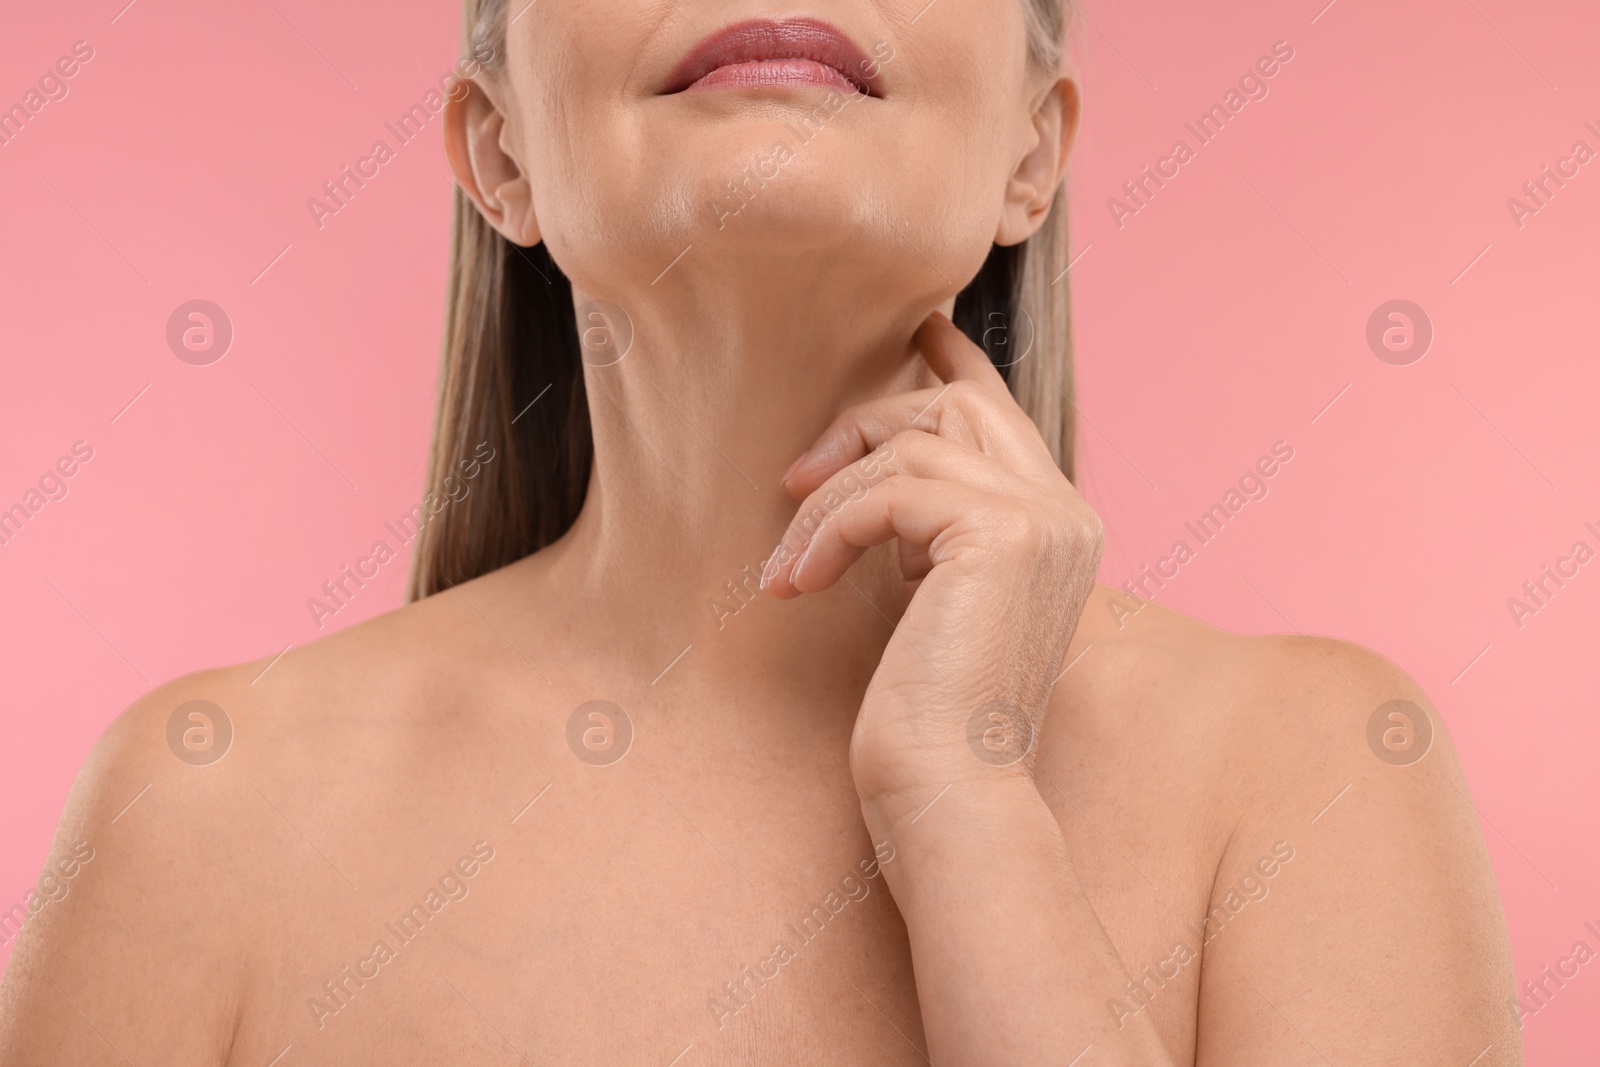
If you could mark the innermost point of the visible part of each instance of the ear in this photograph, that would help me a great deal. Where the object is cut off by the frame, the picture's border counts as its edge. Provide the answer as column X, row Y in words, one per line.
column 477, row 142
column 1033, row 184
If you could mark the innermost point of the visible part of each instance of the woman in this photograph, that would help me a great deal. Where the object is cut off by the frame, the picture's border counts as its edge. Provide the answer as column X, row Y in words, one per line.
column 757, row 704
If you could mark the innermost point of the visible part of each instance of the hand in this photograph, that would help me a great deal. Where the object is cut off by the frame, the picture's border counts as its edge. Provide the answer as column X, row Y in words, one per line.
column 1006, row 551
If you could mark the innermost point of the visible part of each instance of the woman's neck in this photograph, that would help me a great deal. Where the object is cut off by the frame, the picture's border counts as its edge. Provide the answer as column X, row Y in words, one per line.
column 693, row 430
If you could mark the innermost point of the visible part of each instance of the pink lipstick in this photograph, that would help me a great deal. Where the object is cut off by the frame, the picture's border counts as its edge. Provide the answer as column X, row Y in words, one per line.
column 762, row 52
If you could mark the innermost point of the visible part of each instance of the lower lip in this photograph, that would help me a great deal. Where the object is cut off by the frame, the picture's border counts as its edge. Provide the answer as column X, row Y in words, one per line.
column 768, row 73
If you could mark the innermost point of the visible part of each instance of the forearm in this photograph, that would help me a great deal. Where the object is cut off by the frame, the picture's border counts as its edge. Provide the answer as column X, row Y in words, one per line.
column 1012, row 965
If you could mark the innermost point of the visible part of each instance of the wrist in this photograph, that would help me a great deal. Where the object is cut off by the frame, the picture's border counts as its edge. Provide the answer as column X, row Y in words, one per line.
column 903, row 756
column 977, row 805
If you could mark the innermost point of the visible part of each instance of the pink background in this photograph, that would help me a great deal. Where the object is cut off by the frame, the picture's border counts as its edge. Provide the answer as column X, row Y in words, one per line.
column 1224, row 316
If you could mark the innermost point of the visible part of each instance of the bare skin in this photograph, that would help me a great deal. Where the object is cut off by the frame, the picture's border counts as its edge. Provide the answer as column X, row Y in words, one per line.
column 1174, row 758
column 1200, row 859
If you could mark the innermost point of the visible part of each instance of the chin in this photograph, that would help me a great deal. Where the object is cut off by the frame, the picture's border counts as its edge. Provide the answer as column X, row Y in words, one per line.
column 773, row 188
column 779, row 149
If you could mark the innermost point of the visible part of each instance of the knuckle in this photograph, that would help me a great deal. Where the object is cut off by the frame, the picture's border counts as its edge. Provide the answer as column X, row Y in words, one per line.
column 1046, row 531
column 906, row 443
column 1021, row 526
column 877, row 463
column 1093, row 528
column 964, row 392
column 1081, row 540
column 1094, row 541
column 871, row 424
column 964, row 412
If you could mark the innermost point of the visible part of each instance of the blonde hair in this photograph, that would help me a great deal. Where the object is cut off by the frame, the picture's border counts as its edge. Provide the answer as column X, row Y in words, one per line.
column 510, row 338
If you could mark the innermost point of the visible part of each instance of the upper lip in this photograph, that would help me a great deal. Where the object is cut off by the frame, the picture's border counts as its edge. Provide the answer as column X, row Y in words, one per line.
column 758, row 39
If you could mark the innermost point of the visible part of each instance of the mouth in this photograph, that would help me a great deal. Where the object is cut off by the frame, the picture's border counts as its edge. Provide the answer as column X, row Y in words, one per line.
column 764, row 53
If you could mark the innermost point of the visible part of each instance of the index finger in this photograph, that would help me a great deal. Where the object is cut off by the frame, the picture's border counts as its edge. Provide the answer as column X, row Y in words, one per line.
column 953, row 357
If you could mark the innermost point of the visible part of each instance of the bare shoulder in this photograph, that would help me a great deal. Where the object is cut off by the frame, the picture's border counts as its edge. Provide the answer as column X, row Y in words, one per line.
column 186, row 833
column 1280, row 711
column 130, row 909
column 1292, row 726
column 1353, row 867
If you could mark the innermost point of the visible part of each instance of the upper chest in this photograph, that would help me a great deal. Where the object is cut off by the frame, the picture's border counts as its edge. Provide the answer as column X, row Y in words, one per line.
column 725, row 905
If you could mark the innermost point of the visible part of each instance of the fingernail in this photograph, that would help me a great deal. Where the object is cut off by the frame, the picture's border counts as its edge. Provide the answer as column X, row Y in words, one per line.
column 792, row 468
column 770, row 571
column 800, row 564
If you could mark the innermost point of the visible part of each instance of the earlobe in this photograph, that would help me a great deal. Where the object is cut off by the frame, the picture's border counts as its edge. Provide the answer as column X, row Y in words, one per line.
column 1031, row 190
column 478, row 147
